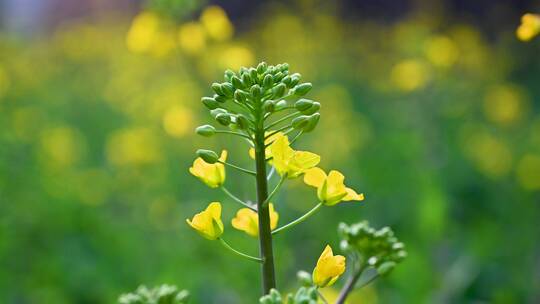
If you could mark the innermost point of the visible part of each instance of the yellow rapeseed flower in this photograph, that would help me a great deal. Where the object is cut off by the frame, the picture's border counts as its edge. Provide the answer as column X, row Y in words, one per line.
column 291, row 162
column 212, row 175
column 247, row 220
column 330, row 188
column 208, row 222
column 268, row 142
column 329, row 268
column 529, row 27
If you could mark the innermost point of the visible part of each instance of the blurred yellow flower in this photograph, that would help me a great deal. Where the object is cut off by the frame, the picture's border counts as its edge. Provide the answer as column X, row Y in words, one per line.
column 142, row 33
column 177, row 121
column 134, row 146
column 216, row 23
column 441, row 51
column 212, row 175
column 330, row 188
column 528, row 172
column 62, row 146
column 208, row 222
column 247, row 220
column 192, row 38
column 504, row 104
column 291, row 162
column 235, row 57
column 329, row 268
column 529, row 27
column 410, row 75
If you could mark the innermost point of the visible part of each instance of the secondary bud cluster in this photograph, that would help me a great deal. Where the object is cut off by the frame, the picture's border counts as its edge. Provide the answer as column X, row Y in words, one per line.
column 164, row 294
column 379, row 249
column 264, row 89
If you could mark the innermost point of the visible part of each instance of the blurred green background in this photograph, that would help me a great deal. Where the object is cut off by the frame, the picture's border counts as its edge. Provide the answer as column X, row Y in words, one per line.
column 428, row 107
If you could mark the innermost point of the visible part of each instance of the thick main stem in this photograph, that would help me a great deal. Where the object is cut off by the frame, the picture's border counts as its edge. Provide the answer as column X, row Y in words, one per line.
column 265, row 233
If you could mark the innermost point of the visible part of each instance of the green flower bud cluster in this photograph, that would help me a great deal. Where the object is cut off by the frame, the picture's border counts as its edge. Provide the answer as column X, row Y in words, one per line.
column 379, row 249
column 164, row 294
column 304, row 295
column 265, row 88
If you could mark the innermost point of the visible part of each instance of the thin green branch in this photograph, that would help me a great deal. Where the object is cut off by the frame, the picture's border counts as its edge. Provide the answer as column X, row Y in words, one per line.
column 299, row 220
column 246, row 256
column 238, row 168
column 276, row 132
column 366, row 282
column 233, row 133
column 275, row 189
column 272, row 171
column 295, row 138
column 321, row 296
column 236, row 199
column 282, row 119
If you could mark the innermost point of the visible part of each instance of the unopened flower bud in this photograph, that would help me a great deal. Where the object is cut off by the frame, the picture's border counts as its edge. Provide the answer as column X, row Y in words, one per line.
column 253, row 74
column 284, row 67
column 313, row 109
column 210, row 102
column 302, row 89
column 281, row 104
column 246, row 79
column 261, row 68
column 208, row 156
column 303, row 104
column 278, row 91
column 295, row 79
column 278, row 76
column 217, row 111
column 313, row 120
column 287, row 81
column 385, row 268
column 220, row 98
column 228, row 75
column 300, row 122
column 269, row 106
column 256, row 91
column 305, row 278
column 242, row 122
column 268, row 81
column 224, row 119
column 206, row 130
column 217, row 88
column 228, row 89
column 236, row 82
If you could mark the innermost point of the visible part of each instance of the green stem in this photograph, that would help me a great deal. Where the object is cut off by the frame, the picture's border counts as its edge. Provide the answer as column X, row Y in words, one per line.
column 265, row 233
column 236, row 199
column 238, row 168
column 295, row 138
column 233, row 133
column 299, row 220
column 282, row 119
column 321, row 296
column 275, row 189
column 246, row 256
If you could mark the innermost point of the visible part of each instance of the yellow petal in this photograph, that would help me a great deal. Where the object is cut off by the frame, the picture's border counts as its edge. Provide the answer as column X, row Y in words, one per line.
column 301, row 161
column 328, row 269
column 274, row 217
column 314, row 177
column 214, row 209
column 353, row 196
column 281, row 154
column 208, row 222
column 246, row 220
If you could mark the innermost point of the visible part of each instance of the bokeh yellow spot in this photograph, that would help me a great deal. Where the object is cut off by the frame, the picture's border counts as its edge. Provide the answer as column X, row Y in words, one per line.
column 528, row 172
column 410, row 75
column 191, row 37
column 177, row 121
column 235, row 57
column 135, row 146
column 504, row 104
column 143, row 32
column 61, row 146
column 441, row 51
column 489, row 154
column 529, row 27
column 216, row 23
column 366, row 295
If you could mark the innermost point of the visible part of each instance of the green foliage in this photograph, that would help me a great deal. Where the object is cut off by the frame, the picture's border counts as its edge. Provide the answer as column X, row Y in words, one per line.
column 304, row 295
column 164, row 294
column 379, row 249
